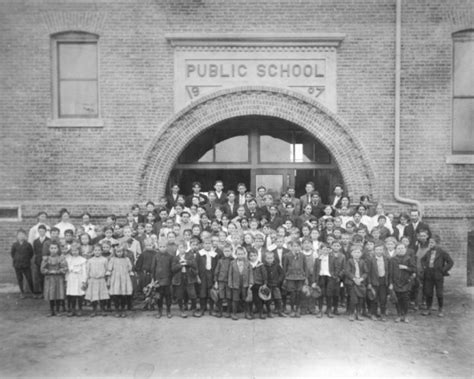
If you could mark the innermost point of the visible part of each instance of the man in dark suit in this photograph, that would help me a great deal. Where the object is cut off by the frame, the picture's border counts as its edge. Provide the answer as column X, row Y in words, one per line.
column 241, row 191
column 317, row 205
column 335, row 199
column 196, row 192
column 221, row 198
column 411, row 230
column 172, row 198
column 253, row 211
column 306, row 198
column 230, row 207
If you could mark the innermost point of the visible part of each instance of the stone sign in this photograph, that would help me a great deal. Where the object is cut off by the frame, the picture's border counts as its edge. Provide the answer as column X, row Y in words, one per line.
column 210, row 63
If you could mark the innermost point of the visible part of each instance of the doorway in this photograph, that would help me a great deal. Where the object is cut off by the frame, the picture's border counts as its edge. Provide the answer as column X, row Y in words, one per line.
column 256, row 150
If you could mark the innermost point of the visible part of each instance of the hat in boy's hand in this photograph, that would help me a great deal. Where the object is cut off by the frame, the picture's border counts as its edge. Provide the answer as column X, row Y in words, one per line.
column 371, row 294
column 306, row 290
column 264, row 293
column 393, row 297
column 316, row 292
column 214, row 295
column 249, row 297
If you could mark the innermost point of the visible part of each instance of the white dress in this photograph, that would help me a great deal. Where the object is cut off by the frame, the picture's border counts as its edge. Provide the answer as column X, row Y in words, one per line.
column 76, row 275
column 63, row 226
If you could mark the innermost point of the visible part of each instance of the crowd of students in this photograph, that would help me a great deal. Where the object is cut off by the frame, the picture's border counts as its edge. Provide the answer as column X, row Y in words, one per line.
column 233, row 252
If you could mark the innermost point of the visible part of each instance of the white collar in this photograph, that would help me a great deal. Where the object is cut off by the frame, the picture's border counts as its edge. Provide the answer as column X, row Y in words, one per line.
column 255, row 264
column 203, row 252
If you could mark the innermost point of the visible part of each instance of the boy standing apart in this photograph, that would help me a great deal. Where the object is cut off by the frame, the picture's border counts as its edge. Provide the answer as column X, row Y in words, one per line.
column 21, row 253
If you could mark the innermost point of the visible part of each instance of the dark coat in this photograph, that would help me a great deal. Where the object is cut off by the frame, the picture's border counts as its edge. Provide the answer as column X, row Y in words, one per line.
column 340, row 264
column 145, row 261
column 275, row 274
column 22, row 254
column 161, row 268
column 295, row 267
column 349, row 271
column 191, row 269
column 374, row 278
column 277, row 258
column 411, row 232
column 234, row 275
column 38, row 250
column 441, row 265
column 317, row 267
column 401, row 278
column 259, row 274
column 221, row 273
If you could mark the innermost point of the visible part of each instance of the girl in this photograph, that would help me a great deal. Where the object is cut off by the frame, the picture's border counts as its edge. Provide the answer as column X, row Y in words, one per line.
column 85, row 247
column 96, row 269
column 119, row 282
column 53, row 267
column 75, row 279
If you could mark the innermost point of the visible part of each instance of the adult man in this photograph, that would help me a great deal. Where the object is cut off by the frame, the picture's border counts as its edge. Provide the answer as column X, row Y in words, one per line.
column 221, row 198
column 241, row 190
column 196, row 192
column 260, row 198
column 253, row 211
column 335, row 200
column 306, row 198
column 230, row 207
column 296, row 202
column 412, row 230
column 317, row 205
column 172, row 198
column 33, row 234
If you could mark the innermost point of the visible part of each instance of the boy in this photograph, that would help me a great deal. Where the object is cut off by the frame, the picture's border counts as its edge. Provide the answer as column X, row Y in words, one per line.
column 184, row 276
column 38, row 244
column 221, row 279
column 296, row 271
column 206, row 264
column 143, row 267
column 384, row 231
column 378, row 281
column 21, row 253
column 356, row 274
column 436, row 264
column 324, row 273
column 401, row 268
column 275, row 277
column 240, row 280
column 308, row 305
column 161, row 271
column 339, row 264
column 259, row 279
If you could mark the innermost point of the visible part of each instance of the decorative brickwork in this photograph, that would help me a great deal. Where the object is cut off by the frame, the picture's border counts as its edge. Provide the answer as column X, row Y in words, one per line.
column 180, row 130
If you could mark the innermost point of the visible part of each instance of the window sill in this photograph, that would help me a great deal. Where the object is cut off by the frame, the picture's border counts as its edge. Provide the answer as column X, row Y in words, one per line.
column 75, row 123
column 460, row 159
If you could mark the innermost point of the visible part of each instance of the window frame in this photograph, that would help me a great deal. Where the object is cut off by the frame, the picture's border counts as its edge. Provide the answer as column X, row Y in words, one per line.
column 460, row 36
column 78, row 120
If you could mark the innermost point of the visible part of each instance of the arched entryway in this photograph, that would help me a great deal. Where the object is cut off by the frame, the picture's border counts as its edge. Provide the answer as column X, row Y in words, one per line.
column 256, row 151
column 306, row 114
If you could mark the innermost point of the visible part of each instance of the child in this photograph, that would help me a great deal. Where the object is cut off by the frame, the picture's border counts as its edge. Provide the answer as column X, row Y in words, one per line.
column 184, row 270
column 162, row 274
column 308, row 305
column 240, row 281
column 75, row 279
column 221, row 279
column 96, row 269
column 275, row 277
column 378, row 281
column 38, row 244
column 21, row 253
column 435, row 265
column 356, row 275
column 259, row 279
column 53, row 267
column 401, row 268
column 206, row 264
column 339, row 265
column 120, row 284
column 324, row 274
column 85, row 247
column 295, row 269
column 143, row 265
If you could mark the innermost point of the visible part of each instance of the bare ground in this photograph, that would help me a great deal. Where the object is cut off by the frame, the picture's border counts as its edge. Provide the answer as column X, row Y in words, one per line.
column 141, row 346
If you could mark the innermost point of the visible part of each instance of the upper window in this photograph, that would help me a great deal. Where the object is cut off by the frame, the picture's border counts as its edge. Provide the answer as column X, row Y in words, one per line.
column 76, row 89
column 463, row 92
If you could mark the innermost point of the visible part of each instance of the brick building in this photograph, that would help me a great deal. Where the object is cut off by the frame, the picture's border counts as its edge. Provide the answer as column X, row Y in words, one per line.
column 104, row 103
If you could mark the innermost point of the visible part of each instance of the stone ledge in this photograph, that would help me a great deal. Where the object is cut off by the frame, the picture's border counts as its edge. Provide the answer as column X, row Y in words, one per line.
column 460, row 159
column 75, row 123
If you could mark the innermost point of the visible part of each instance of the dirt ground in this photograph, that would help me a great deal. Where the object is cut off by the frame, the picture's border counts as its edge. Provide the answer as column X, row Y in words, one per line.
column 141, row 346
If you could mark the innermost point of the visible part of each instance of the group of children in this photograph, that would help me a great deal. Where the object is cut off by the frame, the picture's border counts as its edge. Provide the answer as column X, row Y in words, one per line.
column 264, row 261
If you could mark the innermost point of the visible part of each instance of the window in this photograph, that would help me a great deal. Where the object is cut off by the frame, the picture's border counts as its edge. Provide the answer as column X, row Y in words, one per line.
column 463, row 92
column 10, row 213
column 75, row 77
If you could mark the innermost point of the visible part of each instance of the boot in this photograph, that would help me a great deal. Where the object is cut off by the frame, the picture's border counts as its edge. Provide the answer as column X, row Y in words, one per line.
column 234, row 310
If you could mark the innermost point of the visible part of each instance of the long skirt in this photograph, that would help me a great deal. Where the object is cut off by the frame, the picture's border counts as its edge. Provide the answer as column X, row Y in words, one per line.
column 54, row 287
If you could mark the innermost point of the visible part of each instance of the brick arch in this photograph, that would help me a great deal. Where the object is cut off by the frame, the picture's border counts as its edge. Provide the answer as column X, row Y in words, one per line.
column 176, row 133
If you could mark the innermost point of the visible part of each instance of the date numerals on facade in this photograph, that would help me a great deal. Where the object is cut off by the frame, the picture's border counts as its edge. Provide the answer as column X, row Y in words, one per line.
column 313, row 91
